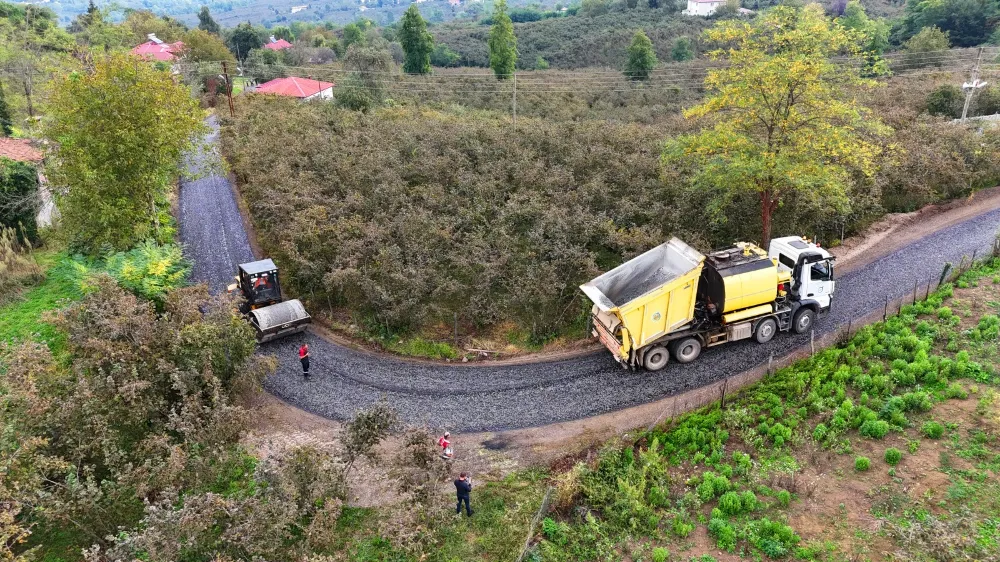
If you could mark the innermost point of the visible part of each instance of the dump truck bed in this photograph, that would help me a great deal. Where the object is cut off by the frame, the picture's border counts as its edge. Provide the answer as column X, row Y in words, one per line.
column 650, row 295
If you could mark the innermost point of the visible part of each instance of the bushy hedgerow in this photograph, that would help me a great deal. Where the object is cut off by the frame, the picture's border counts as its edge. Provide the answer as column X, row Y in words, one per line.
column 577, row 41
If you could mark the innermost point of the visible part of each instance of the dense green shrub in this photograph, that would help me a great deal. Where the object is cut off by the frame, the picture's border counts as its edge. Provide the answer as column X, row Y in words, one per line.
column 149, row 270
column 731, row 503
column 724, row 533
column 956, row 390
column 681, row 526
column 784, row 498
column 773, row 538
column 932, row 430
column 861, row 464
column 660, row 554
column 712, row 485
column 19, row 197
column 404, row 252
column 893, row 456
column 874, row 429
column 820, row 433
column 945, row 101
column 555, row 532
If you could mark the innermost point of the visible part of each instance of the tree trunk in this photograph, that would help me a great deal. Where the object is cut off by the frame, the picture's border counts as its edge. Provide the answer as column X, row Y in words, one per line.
column 27, row 92
column 766, row 206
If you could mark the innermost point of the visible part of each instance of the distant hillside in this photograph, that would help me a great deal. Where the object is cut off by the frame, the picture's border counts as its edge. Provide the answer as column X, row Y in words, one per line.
column 268, row 12
column 575, row 41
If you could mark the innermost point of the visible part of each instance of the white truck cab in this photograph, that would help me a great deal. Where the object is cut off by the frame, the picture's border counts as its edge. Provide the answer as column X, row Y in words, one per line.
column 811, row 268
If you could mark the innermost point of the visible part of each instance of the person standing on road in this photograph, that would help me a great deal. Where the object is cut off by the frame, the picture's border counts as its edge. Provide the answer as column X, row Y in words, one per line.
column 463, row 487
column 304, row 358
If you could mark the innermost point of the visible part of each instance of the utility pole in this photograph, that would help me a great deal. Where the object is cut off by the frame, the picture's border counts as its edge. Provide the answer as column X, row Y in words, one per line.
column 514, row 102
column 229, row 88
column 970, row 87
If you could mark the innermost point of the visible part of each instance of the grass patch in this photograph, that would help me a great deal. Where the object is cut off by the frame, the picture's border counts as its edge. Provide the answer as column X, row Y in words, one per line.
column 24, row 319
column 419, row 347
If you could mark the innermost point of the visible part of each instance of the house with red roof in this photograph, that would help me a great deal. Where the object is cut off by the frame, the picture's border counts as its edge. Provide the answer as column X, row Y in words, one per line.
column 277, row 44
column 302, row 88
column 155, row 49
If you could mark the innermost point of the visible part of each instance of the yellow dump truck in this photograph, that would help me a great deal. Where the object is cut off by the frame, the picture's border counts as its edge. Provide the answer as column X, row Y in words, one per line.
column 673, row 301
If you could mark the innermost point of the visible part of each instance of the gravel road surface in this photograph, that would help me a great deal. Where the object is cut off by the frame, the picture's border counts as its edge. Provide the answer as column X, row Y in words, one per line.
column 491, row 398
column 210, row 225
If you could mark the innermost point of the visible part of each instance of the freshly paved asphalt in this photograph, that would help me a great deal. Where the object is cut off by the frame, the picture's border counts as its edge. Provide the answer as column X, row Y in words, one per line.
column 481, row 398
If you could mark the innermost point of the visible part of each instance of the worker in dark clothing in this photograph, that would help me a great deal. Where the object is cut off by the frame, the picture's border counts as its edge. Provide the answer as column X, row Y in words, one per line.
column 463, row 486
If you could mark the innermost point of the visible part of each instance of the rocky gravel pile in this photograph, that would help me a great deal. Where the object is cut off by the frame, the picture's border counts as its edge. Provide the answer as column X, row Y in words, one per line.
column 489, row 398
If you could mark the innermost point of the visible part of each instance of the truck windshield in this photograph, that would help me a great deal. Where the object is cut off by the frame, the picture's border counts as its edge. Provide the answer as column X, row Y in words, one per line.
column 265, row 287
column 821, row 271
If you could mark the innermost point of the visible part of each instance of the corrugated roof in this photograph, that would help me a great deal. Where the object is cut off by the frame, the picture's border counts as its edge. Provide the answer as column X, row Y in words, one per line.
column 293, row 86
column 20, row 150
column 159, row 51
column 278, row 45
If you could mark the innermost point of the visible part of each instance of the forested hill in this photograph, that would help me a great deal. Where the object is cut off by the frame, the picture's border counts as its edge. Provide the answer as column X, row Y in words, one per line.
column 575, row 41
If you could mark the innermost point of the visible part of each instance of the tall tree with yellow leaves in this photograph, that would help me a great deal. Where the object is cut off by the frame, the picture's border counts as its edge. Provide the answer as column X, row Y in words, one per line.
column 780, row 118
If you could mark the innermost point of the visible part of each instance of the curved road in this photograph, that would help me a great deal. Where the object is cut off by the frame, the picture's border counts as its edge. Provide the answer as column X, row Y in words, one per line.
column 500, row 397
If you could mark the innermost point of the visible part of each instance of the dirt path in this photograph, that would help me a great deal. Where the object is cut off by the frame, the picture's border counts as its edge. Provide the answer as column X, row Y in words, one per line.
column 894, row 231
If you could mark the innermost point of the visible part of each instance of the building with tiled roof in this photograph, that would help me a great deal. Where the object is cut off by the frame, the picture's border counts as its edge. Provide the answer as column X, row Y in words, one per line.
column 19, row 150
column 156, row 49
column 277, row 44
column 302, row 88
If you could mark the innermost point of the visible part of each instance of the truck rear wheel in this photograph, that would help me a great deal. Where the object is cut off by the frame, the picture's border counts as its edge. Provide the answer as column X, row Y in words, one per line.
column 686, row 350
column 803, row 320
column 656, row 358
column 766, row 329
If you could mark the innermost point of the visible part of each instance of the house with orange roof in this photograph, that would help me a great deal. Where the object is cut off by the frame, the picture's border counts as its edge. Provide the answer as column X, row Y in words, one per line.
column 157, row 50
column 293, row 86
column 277, row 44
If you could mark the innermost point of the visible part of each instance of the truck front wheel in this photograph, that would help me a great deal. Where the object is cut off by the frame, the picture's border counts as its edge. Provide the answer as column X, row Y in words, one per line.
column 656, row 358
column 803, row 320
column 686, row 350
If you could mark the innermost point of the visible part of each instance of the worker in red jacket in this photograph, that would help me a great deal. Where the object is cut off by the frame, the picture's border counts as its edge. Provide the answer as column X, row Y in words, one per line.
column 445, row 443
column 304, row 359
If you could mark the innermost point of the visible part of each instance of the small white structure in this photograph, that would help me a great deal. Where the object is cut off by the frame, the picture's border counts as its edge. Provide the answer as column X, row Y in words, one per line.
column 296, row 9
column 703, row 8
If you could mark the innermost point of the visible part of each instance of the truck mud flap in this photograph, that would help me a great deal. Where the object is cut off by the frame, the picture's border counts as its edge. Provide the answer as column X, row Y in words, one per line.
column 607, row 338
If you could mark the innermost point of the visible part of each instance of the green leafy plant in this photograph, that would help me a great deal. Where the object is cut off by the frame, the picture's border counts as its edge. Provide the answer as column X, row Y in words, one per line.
column 874, row 429
column 724, row 533
column 893, row 456
column 932, row 430
column 784, row 498
column 862, row 464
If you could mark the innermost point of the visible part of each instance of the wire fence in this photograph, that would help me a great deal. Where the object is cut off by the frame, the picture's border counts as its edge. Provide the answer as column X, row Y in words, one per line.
column 542, row 510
